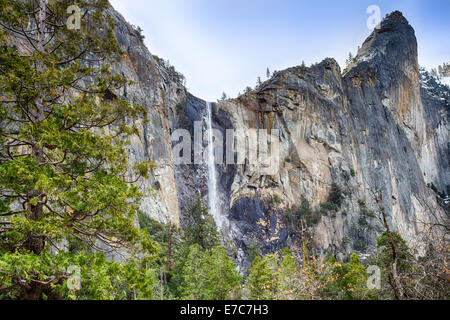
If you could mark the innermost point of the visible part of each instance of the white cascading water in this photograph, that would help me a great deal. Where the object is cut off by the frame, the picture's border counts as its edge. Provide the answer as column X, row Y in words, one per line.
column 212, row 177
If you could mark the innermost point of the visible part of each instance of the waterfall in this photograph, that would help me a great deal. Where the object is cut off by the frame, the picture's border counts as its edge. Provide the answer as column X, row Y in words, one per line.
column 212, row 175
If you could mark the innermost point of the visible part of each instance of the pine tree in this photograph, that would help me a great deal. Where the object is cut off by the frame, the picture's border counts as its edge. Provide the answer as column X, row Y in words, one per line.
column 200, row 231
column 223, row 279
column 200, row 227
column 288, row 275
column 209, row 275
column 444, row 70
column 434, row 72
column 268, row 75
column 253, row 251
column 262, row 279
column 258, row 82
column 348, row 281
column 63, row 164
column 349, row 61
column 139, row 33
column 395, row 264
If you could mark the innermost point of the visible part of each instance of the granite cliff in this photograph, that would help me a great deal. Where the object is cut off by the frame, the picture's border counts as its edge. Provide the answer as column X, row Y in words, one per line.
column 380, row 126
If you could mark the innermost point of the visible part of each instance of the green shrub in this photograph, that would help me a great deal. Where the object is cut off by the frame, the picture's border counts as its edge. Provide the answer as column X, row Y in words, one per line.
column 276, row 199
column 335, row 196
column 364, row 211
column 326, row 207
column 305, row 213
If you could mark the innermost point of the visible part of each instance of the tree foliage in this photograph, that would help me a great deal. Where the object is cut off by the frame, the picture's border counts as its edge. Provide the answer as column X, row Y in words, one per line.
column 348, row 281
column 200, row 227
column 209, row 275
column 202, row 268
column 262, row 278
column 63, row 132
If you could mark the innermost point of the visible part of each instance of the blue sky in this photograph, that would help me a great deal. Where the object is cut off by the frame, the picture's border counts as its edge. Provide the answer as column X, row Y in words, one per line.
column 224, row 45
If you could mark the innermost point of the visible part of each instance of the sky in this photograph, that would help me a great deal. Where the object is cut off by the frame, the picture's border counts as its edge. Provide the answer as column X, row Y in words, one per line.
column 224, row 45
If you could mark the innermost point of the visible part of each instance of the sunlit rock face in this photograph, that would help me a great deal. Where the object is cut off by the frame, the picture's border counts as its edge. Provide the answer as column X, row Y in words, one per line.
column 159, row 93
column 382, row 125
column 375, row 128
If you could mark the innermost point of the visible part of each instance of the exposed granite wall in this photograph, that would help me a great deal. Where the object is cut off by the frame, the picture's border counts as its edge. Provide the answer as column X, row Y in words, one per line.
column 383, row 125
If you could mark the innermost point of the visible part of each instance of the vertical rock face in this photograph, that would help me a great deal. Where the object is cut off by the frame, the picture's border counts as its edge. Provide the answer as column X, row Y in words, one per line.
column 376, row 128
column 435, row 156
column 160, row 93
column 381, row 126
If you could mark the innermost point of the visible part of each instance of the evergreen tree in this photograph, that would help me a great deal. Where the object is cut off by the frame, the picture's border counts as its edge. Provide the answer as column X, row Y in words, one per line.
column 434, row 72
column 444, row 70
column 258, row 82
column 209, row 275
column 200, row 227
column 262, row 279
column 349, row 281
column 200, row 230
column 268, row 73
column 253, row 251
column 288, row 275
column 335, row 197
column 192, row 285
column 404, row 263
column 139, row 33
column 63, row 164
column 349, row 61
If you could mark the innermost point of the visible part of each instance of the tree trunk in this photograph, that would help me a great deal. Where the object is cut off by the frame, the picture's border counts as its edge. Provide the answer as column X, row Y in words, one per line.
column 397, row 286
column 169, row 249
column 36, row 242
